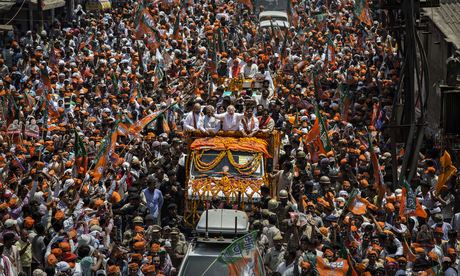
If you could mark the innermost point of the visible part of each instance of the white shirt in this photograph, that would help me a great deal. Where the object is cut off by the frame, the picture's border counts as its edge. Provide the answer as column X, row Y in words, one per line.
column 286, row 270
column 210, row 123
column 229, row 122
column 192, row 120
column 249, row 71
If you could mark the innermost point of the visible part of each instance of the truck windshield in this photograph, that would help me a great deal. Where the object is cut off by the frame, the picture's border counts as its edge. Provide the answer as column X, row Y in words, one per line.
column 225, row 167
column 273, row 18
column 197, row 265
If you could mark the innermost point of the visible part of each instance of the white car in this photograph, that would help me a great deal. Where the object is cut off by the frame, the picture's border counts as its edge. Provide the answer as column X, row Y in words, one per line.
column 277, row 19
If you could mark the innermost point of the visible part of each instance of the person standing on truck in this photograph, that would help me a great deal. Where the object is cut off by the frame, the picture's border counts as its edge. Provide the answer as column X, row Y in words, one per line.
column 249, row 125
column 230, row 119
column 194, row 119
column 266, row 123
column 209, row 122
column 249, row 69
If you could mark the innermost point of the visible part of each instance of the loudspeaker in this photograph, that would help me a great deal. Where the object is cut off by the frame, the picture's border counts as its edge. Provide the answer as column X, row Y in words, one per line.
column 451, row 112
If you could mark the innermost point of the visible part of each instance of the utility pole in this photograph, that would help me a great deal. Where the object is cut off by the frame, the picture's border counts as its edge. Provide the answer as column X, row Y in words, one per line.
column 40, row 5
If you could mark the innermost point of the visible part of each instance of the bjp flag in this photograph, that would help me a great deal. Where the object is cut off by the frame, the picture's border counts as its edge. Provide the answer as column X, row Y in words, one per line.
column 409, row 204
column 337, row 268
column 313, row 133
column 358, row 205
column 447, row 171
column 106, row 154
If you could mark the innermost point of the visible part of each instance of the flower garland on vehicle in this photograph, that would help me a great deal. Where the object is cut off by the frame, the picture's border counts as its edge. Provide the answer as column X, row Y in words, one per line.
column 246, row 169
column 203, row 166
column 229, row 186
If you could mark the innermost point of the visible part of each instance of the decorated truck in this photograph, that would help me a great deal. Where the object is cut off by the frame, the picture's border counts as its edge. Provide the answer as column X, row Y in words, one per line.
column 229, row 167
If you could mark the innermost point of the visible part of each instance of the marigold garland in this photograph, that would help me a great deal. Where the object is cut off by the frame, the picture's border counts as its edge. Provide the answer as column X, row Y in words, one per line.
column 229, row 186
column 246, row 169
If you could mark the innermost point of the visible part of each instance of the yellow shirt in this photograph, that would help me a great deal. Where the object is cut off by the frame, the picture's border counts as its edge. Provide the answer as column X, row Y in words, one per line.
column 26, row 258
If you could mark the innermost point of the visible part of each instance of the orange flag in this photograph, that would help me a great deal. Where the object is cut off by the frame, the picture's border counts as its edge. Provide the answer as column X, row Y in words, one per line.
column 337, row 268
column 313, row 133
column 136, row 128
column 358, row 205
column 447, row 171
column 409, row 204
column 407, row 252
column 107, row 154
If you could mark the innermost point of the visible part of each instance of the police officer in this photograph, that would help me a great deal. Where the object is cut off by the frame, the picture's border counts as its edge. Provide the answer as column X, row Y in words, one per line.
column 275, row 255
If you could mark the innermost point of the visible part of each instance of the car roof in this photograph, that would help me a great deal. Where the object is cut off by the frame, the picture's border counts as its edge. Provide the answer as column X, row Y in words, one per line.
column 223, row 221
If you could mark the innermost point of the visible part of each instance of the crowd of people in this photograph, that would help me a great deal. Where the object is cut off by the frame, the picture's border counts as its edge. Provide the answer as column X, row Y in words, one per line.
column 66, row 90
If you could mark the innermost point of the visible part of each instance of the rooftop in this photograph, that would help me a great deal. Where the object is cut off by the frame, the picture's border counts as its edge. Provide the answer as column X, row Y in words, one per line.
column 447, row 19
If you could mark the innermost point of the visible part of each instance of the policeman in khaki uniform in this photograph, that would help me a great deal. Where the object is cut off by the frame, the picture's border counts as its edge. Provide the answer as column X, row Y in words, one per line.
column 154, row 231
column 282, row 212
column 275, row 255
column 179, row 247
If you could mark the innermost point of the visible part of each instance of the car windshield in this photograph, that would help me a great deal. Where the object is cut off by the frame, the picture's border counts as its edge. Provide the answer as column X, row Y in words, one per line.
column 197, row 265
column 225, row 167
column 273, row 18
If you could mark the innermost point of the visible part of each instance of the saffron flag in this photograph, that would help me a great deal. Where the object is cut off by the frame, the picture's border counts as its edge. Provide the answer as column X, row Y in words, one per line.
column 136, row 128
column 81, row 157
column 146, row 28
column 313, row 133
column 242, row 256
column 106, row 154
column 378, row 177
column 447, row 171
column 313, row 142
column 336, row 268
column 362, row 11
column 409, row 204
column 330, row 56
column 358, row 205
column 49, row 104
column 408, row 252
column 123, row 129
column 323, row 132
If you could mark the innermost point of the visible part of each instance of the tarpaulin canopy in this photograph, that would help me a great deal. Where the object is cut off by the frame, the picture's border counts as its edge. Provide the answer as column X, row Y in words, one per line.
column 247, row 144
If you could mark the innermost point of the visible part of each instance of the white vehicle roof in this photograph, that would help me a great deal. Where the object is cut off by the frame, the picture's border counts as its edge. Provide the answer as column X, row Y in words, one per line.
column 223, row 221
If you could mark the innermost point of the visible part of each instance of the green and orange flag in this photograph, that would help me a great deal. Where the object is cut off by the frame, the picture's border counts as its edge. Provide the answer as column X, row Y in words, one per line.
column 106, row 154
column 409, row 205
column 243, row 256
column 81, row 157
column 362, row 11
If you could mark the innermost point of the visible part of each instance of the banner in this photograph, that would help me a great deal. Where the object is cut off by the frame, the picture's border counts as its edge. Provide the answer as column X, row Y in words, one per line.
column 242, row 256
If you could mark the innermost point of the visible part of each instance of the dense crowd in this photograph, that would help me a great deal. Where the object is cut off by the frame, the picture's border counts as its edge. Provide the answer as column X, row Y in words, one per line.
column 64, row 90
